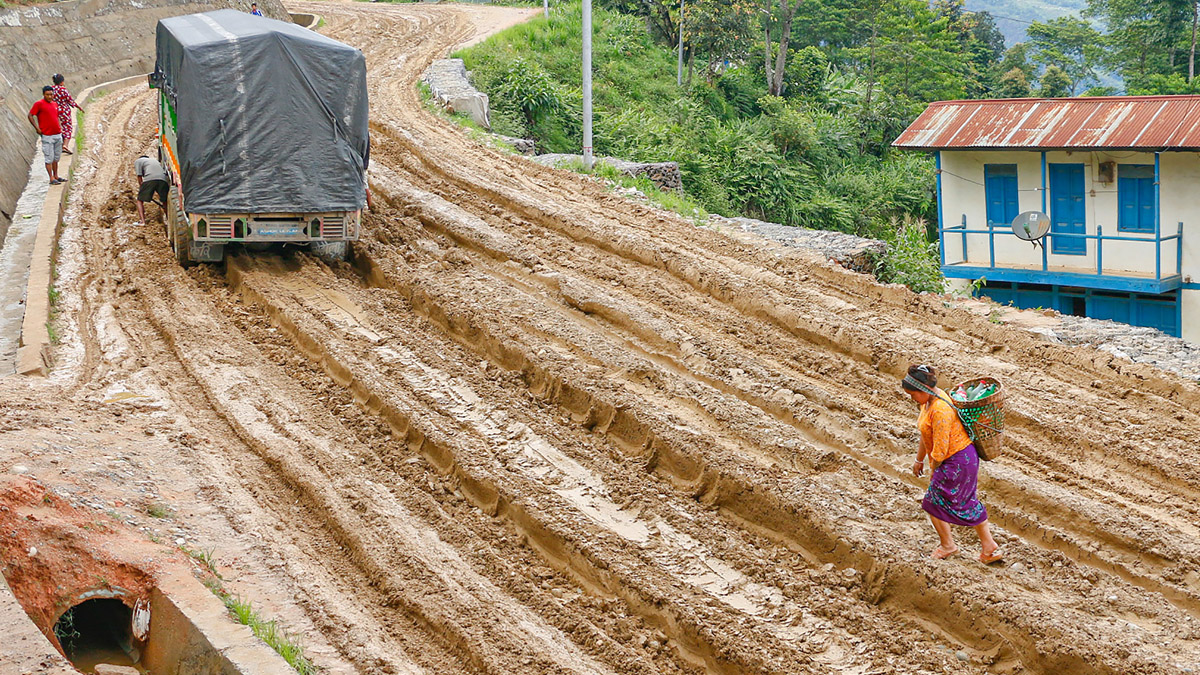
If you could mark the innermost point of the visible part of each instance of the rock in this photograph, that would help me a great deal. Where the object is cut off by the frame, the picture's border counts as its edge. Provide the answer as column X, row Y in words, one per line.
column 962, row 656
column 1045, row 334
column 525, row 146
column 20, row 468
column 109, row 669
column 1113, row 598
column 1017, row 567
column 450, row 84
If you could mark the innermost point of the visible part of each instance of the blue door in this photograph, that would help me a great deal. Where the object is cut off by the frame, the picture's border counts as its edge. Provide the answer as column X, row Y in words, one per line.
column 1066, row 209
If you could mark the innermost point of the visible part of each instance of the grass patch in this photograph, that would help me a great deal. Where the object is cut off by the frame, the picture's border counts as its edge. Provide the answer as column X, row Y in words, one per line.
column 474, row 131
column 668, row 200
column 242, row 611
column 269, row 631
column 157, row 510
column 204, row 557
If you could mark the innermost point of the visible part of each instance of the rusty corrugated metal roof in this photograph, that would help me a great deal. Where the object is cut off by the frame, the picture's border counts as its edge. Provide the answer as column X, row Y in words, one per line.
column 1126, row 122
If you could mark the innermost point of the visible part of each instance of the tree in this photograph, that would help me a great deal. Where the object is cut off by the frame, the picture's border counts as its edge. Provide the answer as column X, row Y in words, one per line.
column 1070, row 44
column 807, row 71
column 1055, row 83
column 787, row 13
column 1144, row 38
column 531, row 90
column 719, row 30
column 1017, row 56
column 1013, row 84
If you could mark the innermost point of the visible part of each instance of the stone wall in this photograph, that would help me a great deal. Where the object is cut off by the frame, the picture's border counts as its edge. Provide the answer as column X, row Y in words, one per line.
column 664, row 175
column 450, row 85
column 89, row 42
column 847, row 250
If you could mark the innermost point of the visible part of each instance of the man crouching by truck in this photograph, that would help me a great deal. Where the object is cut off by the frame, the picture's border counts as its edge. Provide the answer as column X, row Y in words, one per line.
column 152, row 180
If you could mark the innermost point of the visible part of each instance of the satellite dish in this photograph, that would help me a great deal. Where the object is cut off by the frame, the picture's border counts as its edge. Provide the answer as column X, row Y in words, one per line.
column 1031, row 225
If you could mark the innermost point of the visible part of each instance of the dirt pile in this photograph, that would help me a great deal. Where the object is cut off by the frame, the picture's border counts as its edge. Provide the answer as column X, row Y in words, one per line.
column 533, row 427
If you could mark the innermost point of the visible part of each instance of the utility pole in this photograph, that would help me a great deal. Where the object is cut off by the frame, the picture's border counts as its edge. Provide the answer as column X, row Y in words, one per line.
column 679, row 70
column 588, row 160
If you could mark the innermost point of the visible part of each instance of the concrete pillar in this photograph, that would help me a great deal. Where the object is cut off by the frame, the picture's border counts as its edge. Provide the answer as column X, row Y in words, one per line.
column 1190, row 325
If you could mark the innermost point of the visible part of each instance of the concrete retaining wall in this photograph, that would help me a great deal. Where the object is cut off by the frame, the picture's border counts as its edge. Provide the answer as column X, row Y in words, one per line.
column 89, row 42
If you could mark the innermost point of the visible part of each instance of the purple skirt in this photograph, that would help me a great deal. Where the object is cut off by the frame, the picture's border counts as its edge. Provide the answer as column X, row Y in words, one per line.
column 951, row 495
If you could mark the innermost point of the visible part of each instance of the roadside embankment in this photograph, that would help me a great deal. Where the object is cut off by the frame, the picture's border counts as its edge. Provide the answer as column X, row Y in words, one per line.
column 88, row 42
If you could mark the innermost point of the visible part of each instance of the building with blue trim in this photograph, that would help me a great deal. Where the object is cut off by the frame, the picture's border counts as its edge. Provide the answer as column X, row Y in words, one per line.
column 1119, row 178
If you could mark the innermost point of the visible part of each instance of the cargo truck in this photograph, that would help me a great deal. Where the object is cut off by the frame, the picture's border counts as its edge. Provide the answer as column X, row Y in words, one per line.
column 262, row 129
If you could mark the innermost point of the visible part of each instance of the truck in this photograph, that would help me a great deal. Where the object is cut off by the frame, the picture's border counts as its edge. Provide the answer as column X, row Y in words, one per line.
column 262, row 131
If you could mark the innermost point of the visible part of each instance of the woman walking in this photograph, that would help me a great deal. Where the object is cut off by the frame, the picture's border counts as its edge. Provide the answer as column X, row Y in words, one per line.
column 63, row 98
column 954, row 465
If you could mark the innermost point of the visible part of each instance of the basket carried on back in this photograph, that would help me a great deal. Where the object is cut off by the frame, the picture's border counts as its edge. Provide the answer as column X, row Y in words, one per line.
column 984, row 417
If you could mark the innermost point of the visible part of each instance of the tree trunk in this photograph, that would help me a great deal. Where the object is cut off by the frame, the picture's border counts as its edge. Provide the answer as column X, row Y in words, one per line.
column 767, row 48
column 785, row 35
column 1192, row 55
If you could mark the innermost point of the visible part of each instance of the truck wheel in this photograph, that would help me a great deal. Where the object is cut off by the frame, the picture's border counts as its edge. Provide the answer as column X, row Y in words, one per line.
column 330, row 250
column 178, row 232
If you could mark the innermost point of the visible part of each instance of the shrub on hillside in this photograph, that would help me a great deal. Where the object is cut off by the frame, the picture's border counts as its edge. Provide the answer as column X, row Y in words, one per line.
column 911, row 259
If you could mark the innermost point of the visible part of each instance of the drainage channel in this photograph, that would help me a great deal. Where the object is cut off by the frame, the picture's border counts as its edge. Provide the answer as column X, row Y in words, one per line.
column 108, row 601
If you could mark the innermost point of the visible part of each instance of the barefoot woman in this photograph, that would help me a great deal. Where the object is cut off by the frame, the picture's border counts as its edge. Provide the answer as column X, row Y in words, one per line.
column 951, row 498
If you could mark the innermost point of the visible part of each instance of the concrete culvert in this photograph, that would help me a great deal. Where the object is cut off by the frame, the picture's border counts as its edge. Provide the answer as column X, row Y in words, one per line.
column 98, row 631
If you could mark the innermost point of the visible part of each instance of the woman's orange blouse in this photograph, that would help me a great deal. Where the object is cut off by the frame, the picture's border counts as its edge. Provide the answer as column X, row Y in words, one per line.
column 942, row 434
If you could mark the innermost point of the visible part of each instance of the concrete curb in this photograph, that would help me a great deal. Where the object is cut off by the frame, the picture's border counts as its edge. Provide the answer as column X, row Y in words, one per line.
column 305, row 20
column 24, row 648
column 33, row 354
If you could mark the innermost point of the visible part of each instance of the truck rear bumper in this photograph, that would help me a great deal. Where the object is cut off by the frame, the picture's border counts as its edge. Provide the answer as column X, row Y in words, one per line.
column 298, row 228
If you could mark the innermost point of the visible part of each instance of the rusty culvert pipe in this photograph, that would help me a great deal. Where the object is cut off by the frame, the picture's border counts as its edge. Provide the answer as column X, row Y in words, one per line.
column 103, row 625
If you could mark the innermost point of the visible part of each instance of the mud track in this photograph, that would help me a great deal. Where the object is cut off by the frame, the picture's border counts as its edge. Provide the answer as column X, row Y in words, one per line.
column 532, row 427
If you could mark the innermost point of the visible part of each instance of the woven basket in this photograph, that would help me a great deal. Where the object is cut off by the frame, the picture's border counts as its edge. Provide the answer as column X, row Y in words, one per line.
column 984, row 418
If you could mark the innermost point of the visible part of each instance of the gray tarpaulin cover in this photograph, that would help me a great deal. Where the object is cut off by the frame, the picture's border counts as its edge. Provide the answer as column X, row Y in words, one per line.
column 270, row 117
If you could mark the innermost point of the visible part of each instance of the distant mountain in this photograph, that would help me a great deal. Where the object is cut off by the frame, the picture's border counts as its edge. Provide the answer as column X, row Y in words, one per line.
column 1013, row 16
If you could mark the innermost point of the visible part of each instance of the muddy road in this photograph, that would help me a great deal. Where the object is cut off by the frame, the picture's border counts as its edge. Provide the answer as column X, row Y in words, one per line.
column 533, row 427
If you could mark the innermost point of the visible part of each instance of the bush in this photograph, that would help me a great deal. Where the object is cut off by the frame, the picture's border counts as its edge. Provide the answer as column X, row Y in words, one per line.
column 911, row 259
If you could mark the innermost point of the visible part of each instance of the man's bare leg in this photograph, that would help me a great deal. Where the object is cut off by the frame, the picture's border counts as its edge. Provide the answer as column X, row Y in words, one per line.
column 141, row 206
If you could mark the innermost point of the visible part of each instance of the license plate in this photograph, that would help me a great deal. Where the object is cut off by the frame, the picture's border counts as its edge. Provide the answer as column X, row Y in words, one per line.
column 278, row 231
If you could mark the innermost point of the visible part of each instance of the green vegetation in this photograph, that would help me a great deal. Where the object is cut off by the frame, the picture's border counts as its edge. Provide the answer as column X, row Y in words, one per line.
column 788, row 108
column 157, row 510
column 817, row 155
column 65, row 630
column 244, row 613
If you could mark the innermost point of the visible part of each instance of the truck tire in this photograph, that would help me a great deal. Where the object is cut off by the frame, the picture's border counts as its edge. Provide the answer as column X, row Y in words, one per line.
column 178, row 233
column 331, row 251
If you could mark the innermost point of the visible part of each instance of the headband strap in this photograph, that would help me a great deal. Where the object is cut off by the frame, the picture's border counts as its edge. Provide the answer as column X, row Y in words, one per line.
column 917, row 384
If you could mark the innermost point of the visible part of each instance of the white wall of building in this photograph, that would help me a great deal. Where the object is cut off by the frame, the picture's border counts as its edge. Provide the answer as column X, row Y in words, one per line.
column 963, row 197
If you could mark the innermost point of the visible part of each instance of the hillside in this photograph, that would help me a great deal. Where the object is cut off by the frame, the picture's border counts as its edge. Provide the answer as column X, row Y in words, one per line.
column 1012, row 16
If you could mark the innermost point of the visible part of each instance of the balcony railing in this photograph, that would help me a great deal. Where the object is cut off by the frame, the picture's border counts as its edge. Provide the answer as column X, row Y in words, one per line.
column 1123, row 279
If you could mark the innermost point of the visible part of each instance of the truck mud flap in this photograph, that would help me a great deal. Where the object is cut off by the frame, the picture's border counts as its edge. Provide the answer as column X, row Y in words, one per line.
column 206, row 251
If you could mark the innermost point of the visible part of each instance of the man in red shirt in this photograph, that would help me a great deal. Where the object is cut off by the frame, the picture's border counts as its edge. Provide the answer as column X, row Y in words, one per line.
column 44, row 118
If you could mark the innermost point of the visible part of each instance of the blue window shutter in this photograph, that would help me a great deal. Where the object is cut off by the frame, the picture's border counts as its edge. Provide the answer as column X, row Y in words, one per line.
column 1135, row 197
column 1000, row 193
column 1146, row 204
